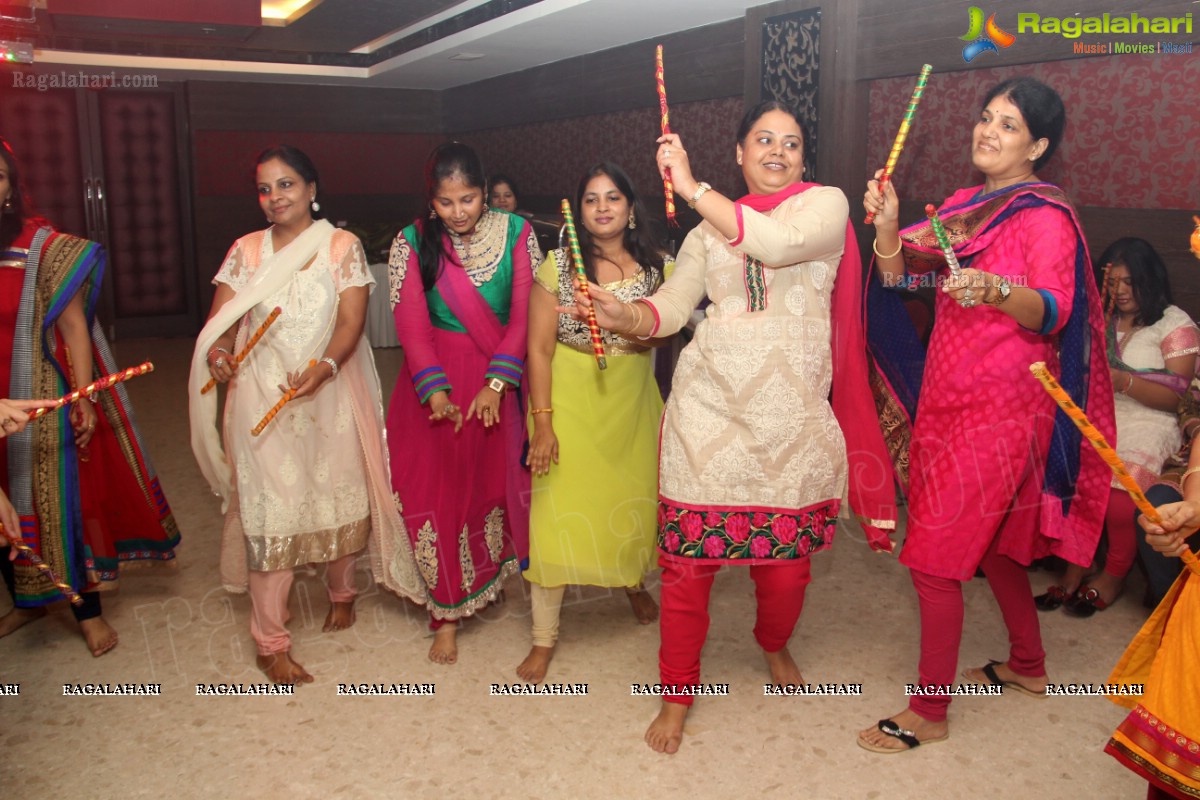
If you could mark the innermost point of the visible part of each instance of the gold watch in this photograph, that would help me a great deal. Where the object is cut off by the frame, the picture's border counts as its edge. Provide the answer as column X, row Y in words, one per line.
column 1003, row 290
column 701, row 188
column 496, row 385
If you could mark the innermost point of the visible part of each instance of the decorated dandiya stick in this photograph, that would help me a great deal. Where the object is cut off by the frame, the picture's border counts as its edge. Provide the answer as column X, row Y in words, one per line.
column 902, row 134
column 1104, row 449
column 581, row 273
column 939, row 230
column 241, row 356
column 668, row 187
column 275, row 409
column 41, row 567
column 107, row 382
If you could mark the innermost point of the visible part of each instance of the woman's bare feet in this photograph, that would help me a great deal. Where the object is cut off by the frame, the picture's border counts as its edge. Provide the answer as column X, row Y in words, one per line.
column 99, row 635
column 533, row 668
column 783, row 667
column 444, row 649
column 666, row 732
column 280, row 668
column 340, row 616
column 644, row 607
column 19, row 618
column 923, row 730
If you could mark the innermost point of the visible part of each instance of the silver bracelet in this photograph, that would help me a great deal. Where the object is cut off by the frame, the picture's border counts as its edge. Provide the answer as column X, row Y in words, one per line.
column 332, row 364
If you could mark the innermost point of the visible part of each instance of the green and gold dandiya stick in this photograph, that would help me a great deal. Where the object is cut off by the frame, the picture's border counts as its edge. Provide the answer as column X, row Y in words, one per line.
column 1105, row 450
column 902, row 134
column 943, row 238
column 581, row 273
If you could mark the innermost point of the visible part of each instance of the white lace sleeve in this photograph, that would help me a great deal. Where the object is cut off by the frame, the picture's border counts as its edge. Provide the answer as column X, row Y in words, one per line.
column 351, row 268
column 233, row 270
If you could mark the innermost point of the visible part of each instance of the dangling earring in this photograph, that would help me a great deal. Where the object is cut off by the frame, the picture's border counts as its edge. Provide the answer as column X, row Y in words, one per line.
column 8, row 203
column 432, row 213
column 315, row 205
column 632, row 221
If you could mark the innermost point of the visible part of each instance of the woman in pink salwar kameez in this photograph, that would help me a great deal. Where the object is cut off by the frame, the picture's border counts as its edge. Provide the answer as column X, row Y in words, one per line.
column 997, row 477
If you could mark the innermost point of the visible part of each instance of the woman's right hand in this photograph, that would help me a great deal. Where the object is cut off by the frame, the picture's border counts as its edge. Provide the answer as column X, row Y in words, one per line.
column 1179, row 521
column 543, row 447
column 884, row 204
column 611, row 313
column 442, row 408
column 221, row 364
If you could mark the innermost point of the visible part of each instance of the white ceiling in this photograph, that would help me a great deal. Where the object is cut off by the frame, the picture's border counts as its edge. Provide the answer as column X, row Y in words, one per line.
column 543, row 33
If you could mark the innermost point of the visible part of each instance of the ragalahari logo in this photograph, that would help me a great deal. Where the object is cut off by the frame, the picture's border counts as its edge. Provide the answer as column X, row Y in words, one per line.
column 982, row 37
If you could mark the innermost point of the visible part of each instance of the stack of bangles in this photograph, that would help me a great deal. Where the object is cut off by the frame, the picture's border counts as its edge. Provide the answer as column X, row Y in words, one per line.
column 875, row 247
column 636, row 307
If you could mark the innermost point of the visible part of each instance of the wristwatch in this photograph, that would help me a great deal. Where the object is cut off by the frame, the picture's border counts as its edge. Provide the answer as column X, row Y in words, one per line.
column 1003, row 290
column 496, row 385
column 701, row 188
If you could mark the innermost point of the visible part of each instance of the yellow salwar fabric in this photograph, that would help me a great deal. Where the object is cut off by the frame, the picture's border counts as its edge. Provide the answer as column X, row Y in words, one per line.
column 593, row 518
column 1160, row 739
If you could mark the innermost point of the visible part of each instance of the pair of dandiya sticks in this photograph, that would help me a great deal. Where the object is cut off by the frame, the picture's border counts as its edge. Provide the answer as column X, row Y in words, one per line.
column 241, row 356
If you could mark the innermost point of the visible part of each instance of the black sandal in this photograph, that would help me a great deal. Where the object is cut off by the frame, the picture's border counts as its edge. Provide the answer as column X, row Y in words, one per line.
column 1054, row 597
column 892, row 729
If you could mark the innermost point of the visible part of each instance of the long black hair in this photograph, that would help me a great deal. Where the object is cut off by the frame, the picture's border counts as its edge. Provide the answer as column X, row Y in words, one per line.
column 298, row 160
column 446, row 161
column 1042, row 108
column 1147, row 276
column 19, row 206
column 640, row 242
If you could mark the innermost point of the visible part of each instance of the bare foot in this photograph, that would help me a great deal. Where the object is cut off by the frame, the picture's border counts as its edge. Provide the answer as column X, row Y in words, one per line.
column 1022, row 683
column 644, row 607
column 18, row 618
column 280, row 668
column 444, row 649
column 533, row 668
column 922, row 729
column 99, row 635
column 783, row 668
column 340, row 616
column 666, row 732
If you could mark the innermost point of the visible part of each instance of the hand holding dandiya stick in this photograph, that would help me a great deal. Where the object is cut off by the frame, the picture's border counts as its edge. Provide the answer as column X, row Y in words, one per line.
column 275, row 409
column 41, row 566
column 1104, row 449
column 581, row 273
column 943, row 238
column 668, row 188
column 902, row 134
column 241, row 356
column 107, row 382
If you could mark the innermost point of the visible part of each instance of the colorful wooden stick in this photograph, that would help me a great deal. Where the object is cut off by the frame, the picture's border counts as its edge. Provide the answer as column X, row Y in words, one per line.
column 668, row 187
column 241, row 356
column 902, row 134
column 943, row 238
column 1104, row 449
column 107, row 382
column 581, row 273
column 41, row 566
column 283, row 401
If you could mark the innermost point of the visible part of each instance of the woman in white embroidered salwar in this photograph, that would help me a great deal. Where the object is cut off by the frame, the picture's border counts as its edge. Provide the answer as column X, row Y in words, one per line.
column 752, row 459
column 312, row 485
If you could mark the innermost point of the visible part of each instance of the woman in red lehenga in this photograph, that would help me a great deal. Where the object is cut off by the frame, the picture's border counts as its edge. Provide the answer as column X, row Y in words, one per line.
column 84, row 458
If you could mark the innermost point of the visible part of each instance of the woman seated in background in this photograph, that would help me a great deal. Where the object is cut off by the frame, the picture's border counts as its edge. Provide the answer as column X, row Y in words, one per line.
column 593, row 449
column 1152, row 347
column 503, row 195
column 312, row 487
column 460, row 281
column 95, row 501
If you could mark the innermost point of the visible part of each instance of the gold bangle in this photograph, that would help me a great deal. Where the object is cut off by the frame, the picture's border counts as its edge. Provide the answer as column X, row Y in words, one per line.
column 637, row 312
column 541, row 411
column 1128, row 384
column 1186, row 473
column 875, row 247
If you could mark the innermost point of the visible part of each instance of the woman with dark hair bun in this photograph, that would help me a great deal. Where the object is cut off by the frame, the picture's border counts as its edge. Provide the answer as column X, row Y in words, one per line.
column 995, row 476
column 593, row 448
column 460, row 281
column 1152, row 348
column 313, row 487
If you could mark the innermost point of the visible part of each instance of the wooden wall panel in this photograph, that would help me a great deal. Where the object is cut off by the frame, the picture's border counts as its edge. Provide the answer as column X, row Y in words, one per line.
column 231, row 106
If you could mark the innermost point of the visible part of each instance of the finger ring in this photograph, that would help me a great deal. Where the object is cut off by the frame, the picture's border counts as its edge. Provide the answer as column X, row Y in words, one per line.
column 968, row 295
column 667, row 152
column 220, row 362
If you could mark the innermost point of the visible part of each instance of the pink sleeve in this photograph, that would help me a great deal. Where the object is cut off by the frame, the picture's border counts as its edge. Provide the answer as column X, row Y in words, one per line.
column 413, row 327
column 1046, row 246
column 508, row 362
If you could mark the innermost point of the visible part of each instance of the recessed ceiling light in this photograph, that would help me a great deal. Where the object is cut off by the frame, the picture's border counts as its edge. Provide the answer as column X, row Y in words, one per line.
column 284, row 12
column 466, row 56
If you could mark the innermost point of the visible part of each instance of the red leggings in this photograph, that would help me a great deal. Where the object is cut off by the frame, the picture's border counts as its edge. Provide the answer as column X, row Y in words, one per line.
column 942, row 624
column 1122, row 535
column 683, row 622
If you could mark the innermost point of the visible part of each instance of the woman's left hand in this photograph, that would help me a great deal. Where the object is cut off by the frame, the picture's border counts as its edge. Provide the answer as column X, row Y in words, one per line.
column 486, row 406
column 83, row 422
column 970, row 287
column 307, row 381
column 672, row 156
column 1120, row 379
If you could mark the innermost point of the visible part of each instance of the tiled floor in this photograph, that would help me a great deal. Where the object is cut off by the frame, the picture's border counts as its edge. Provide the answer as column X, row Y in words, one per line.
column 859, row 626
